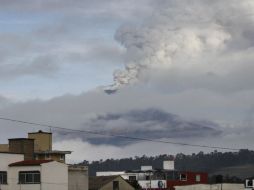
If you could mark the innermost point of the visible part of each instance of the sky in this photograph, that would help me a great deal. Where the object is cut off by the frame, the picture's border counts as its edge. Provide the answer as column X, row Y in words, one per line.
column 171, row 70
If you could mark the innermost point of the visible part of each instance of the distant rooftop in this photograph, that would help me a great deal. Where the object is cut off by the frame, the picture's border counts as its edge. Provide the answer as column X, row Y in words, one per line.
column 97, row 182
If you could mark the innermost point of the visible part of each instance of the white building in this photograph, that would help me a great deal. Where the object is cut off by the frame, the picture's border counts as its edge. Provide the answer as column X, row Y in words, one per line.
column 17, row 174
column 249, row 184
column 5, row 160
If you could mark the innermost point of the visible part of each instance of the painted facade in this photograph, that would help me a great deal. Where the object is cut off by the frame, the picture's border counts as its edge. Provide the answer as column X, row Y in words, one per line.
column 78, row 178
column 40, row 175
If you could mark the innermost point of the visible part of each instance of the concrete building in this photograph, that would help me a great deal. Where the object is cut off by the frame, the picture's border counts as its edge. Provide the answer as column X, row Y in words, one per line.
column 42, row 141
column 38, row 175
column 78, row 178
column 43, row 147
column 38, row 146
column 109, row 183
column 22, row 146
column 5, row 160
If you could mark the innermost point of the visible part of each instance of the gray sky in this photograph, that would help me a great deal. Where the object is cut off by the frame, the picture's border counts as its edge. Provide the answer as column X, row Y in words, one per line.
column 183, row 71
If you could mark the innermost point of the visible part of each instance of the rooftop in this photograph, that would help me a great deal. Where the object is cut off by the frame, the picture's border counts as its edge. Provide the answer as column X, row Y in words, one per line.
column 53, row 152
column 40, row 131
column 96, row 182
column 30, row 163
column 15, row 139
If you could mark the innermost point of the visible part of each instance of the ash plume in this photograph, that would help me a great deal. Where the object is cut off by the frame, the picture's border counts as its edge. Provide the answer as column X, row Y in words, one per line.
column 179, row 35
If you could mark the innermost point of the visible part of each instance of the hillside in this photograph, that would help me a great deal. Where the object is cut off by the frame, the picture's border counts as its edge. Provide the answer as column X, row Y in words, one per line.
column 240, row 164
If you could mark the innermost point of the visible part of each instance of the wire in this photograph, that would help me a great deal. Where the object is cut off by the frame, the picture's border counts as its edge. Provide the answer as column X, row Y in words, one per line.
column 117, row 135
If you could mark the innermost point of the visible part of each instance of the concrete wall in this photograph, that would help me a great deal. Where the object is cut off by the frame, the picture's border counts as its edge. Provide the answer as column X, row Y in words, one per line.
column 55, row 157
column 25, row 146
column 224, row 186
column 54, row 176
column 42, row 141
column 123, row 185
column 14, row 178
column 4, row 147
column 78, row 178
column 5, row 160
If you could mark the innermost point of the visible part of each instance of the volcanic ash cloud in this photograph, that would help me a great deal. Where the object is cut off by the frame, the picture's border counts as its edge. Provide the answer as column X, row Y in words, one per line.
column 180, row 35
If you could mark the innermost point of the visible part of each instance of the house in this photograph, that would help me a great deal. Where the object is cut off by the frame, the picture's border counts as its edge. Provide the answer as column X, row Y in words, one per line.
column 166, row 178
column 38, row 175
column 37, row 146
column 19, row 174
column 5, row 160
column 109, row 183
column 78, row 177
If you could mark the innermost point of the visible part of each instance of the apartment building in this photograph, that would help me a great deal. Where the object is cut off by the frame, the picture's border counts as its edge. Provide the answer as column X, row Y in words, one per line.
column 17, row 174
column 37, row 146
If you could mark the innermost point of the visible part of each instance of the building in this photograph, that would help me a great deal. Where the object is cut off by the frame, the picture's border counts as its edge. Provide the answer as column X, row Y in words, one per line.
column 37, row 146
column 78, row 177
column 249, row 183
column 38, row 175
column 5, row 160
column 22, row 146
column 17, row 174
column 166, row 178
column 30, row 163
column 43, row 147
column 109, row 183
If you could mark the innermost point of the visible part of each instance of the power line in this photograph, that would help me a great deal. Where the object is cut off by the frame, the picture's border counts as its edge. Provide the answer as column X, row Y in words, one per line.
column 116, row 135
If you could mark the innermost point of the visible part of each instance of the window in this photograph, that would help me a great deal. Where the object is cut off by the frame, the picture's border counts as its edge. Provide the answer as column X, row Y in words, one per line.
column 197, row 178
column 62, row 157
column 3, row 177
column 29, row 177
column 132, row 178
column 115, row 185
column 249, row 183
column 183, row 177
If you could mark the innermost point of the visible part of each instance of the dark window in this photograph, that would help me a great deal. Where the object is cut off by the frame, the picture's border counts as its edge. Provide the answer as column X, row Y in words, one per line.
column 183, row 177
column 132, row 178
column 29, row 177
column 115, row 185
column 249, row 183
column 3, row 177
column 62, row 157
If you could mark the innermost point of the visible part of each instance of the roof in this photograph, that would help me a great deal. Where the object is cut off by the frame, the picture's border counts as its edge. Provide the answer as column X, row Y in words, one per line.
column 30, row 163
column 40, row 132
column 15, row 139
column 4, row 152
column 96, row 182
column 53, row 152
